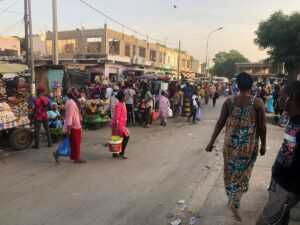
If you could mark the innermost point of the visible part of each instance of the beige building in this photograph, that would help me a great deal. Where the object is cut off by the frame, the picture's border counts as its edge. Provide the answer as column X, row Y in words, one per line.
column 119, row 48
column 10, row 46
column 258, row 69
column 39, row 45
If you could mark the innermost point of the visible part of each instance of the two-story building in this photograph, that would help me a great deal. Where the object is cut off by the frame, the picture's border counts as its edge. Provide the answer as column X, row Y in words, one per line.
column 114, row 53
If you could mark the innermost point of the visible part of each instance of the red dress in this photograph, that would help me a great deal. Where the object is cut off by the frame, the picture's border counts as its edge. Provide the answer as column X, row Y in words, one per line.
column 119, row 120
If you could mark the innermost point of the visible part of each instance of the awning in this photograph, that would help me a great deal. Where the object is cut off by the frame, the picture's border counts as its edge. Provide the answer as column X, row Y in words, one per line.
column 12, row 68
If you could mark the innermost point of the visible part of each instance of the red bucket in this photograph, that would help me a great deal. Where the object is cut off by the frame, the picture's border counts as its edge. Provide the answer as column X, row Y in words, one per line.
column 115, row 148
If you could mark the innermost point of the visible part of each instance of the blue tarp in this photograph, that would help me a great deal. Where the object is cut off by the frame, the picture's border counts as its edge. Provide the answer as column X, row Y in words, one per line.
column 55, row 77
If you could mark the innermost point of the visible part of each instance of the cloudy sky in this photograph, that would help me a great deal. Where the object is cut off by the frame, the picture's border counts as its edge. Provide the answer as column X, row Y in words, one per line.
column 190, row 22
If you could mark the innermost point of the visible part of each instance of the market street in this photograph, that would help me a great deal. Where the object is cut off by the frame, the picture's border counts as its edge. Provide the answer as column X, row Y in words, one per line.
column 165, row 165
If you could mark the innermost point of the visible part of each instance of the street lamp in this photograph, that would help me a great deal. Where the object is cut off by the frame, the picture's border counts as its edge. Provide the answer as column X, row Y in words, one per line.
column 207, row 48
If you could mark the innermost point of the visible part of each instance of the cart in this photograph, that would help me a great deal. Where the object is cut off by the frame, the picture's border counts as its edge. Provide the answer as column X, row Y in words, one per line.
column 17, row 134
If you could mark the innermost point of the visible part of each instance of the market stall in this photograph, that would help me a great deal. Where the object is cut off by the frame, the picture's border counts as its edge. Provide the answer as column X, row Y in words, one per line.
column 96, row 114
column 14, row 111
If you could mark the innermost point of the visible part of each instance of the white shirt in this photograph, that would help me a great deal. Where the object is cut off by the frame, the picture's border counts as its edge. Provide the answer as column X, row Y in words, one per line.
column 195, row 104
column 129, row 96
column 108, row 93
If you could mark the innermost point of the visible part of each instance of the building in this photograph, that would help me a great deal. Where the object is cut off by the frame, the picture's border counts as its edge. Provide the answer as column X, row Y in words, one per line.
column 117, row 53
column 259, row 69
column 196, row 66
column 39, row 45
column 10, row 47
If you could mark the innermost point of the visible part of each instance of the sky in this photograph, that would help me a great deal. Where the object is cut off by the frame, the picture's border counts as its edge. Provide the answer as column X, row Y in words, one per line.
column 191, row 21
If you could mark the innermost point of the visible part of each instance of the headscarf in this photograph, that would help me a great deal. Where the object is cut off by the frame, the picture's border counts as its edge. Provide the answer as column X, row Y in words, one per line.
column 74, row 95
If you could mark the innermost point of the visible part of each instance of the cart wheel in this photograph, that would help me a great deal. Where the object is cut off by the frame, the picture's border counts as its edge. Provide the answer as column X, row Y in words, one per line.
column 21, row 138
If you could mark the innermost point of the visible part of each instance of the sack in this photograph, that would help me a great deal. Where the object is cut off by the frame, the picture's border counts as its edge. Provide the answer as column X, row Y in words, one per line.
column 170, row 112
column 64, row 148
column 199, row 114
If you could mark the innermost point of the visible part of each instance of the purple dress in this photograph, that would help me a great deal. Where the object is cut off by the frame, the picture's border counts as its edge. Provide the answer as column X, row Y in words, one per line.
column 164, row 106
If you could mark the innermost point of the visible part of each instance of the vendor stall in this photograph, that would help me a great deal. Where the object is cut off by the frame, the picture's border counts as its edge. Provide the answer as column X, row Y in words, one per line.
column 96, row 114
column 14, row 121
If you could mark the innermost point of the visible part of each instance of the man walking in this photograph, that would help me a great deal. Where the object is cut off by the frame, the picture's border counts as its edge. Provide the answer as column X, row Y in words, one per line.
column 129, row 99
column 41, row 117
column 284, row 192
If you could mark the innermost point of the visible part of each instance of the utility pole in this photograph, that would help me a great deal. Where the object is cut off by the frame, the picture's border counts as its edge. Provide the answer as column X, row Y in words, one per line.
column 207, row 51
column 178, row 60
column 29, row 43
column 26, row 39
column 55, row 60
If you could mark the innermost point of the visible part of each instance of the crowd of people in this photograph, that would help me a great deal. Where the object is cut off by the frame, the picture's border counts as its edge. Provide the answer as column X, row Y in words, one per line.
column 123, row 104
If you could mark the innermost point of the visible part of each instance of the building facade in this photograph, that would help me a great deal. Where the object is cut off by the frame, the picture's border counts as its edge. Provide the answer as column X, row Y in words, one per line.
column 10, row 47
column 119, row 51
column 260, row 69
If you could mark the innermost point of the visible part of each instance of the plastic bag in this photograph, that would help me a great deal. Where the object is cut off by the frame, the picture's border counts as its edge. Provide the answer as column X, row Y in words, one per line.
column 199, row 114
column 170, row 112
column 64, row 148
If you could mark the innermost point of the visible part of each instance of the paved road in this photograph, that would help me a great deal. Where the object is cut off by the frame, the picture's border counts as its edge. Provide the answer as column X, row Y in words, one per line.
column 165, row 165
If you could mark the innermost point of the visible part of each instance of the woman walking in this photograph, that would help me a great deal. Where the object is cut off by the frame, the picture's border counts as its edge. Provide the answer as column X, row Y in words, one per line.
column 72, row 126
column 244, row 117
column 269, row 100
column 119, row 123
column 164, row 106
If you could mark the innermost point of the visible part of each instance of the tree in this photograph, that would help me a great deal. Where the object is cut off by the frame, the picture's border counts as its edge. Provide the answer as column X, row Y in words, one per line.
column 280, row 35
column 225, row 63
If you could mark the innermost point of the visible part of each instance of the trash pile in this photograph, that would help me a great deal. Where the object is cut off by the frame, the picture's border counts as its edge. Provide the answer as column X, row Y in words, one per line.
column 183, row 216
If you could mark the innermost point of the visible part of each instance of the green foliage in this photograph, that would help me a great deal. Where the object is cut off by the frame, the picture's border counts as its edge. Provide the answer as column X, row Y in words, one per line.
column 280, row 35
column 225, row 63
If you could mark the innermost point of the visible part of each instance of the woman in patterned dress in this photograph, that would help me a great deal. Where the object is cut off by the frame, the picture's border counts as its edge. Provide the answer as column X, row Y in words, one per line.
column 244, row 117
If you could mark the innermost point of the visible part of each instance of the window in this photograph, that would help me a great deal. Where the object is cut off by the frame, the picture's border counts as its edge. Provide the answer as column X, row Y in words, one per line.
column 94, row 47
column 69, row 48
column 114, row 47
column 152, row 55
column 188, row 64
column 127, row 50
column 142, row 52
column 160, row 57
column 183, row 63
column 66, row 46
column 134, row 50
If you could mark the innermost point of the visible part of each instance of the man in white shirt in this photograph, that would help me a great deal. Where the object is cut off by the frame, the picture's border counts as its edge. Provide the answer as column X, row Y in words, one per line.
column 195, row 105
column 129, row 100
column 109, row 92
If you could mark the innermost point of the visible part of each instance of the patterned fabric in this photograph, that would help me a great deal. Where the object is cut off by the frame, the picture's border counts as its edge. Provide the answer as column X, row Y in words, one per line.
column 240, row 150
column 287, row 151
column 41, row 104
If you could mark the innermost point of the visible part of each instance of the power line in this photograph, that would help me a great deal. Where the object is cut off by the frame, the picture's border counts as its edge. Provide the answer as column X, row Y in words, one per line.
column 119, row 23
column 8, row 7
column 4, row 31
